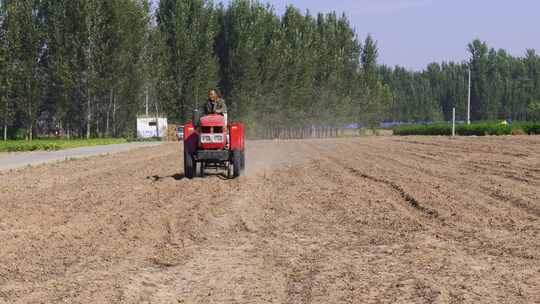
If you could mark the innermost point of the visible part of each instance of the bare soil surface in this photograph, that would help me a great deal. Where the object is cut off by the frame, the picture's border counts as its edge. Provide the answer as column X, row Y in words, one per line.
column 368, row 220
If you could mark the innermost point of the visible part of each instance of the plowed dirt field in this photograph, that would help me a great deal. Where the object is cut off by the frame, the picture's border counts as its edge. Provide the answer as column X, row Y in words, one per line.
column 368, row 220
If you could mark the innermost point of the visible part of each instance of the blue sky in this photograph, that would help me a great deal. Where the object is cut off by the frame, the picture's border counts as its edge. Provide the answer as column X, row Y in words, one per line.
column 413, row 33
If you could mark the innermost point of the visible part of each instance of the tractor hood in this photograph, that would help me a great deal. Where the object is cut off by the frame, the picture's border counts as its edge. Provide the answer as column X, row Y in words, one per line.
column 213, row 120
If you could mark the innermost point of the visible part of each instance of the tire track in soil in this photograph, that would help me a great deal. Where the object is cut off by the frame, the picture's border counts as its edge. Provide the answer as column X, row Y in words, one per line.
column 413, row 202
column 406, row 196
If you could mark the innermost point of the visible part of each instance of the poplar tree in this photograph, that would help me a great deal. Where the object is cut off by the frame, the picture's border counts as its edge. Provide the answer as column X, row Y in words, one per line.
column 188, row 28
column 26, row 46
column 4, row 70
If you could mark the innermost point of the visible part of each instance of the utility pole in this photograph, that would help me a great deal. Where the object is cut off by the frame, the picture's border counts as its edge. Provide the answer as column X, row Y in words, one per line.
column 157, row 119
column 453, row 122
column 469, row 100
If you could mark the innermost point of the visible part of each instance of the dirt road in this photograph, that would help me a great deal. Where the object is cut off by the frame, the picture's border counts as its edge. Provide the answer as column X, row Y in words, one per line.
column 374, row 220
column 21, row 159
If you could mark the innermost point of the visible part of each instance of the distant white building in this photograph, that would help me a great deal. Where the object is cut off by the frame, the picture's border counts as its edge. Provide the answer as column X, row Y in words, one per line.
column 150, row 126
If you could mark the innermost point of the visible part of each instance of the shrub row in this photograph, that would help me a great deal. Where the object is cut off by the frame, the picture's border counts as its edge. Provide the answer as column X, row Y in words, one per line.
column 477, row 129
column 530, row 128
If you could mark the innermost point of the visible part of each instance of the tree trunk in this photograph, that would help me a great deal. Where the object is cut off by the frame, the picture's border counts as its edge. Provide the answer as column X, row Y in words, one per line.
column 114, row 116
column 88, row 116
column 31, row 131
column 107, row 126
column 98, row 133
column 31, row 124
column 157, row 119
column 5, row 120
column 182, row 105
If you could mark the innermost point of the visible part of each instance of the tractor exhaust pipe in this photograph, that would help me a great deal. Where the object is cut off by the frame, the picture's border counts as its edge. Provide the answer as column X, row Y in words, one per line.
column 196, row 118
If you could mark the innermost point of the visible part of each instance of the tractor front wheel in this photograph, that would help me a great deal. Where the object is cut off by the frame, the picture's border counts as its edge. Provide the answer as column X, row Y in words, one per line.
column 202, row 165
column 189, row 165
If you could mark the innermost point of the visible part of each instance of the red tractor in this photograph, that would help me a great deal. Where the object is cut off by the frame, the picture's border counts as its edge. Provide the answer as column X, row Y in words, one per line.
column 209, row 143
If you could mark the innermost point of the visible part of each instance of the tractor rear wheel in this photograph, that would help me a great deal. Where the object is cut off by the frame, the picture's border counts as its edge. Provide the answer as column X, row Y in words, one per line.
column 189, row 165
column 237, row 163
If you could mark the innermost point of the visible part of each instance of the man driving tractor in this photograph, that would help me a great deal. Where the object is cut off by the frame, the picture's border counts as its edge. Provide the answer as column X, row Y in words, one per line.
column 215, row 104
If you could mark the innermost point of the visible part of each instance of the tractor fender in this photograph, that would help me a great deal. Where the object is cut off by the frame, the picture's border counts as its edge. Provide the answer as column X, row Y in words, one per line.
column 191, row 139
column 237, row 136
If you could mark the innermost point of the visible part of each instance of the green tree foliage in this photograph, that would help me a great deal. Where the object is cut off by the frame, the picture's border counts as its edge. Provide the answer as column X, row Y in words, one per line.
column 376, row 95
column 94, row 64
column 241, row 45
column 479, row 71
column 370, row 54
column 72, row 66
column 25, row 47
column 503, row 87
column 534, row 111
column 188, row 28
column 293, row 70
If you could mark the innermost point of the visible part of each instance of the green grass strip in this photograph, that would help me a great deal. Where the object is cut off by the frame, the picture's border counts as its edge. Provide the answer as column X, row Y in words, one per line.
column 55, row 144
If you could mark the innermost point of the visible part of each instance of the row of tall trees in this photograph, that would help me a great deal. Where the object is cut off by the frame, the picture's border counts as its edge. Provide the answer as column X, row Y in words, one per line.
column 292, row 70
column 502, row 87
column 71, row 66
column 88, row 67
